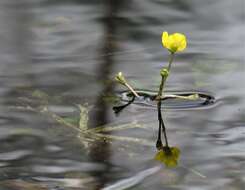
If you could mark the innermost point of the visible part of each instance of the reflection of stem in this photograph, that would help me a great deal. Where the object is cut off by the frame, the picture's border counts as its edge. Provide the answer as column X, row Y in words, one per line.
column 164, row 129
column 161, row 124
column 118, row 109
column 159, row 138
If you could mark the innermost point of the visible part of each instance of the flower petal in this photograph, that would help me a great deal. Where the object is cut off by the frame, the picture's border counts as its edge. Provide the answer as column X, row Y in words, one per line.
column 165, row 39
column 182, row 45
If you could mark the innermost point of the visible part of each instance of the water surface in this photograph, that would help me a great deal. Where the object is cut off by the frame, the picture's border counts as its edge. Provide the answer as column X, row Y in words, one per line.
column 62, row 53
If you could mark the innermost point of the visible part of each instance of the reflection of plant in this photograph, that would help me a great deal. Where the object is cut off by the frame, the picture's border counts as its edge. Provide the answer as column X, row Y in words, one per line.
column 168, row 155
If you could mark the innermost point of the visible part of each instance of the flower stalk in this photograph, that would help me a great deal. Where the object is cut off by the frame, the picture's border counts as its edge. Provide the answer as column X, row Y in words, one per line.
column 171, row 58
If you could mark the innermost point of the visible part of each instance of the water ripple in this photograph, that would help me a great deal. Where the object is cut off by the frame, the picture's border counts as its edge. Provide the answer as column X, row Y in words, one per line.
column 14, row 155
column 206, row 100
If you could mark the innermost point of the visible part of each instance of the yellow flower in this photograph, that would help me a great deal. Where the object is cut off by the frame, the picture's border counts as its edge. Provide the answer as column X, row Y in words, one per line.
column 174, row 42
column 169, row 156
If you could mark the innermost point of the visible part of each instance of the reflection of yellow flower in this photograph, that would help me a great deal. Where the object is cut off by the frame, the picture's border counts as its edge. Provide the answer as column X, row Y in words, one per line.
column 169, row 156
column 174, row 42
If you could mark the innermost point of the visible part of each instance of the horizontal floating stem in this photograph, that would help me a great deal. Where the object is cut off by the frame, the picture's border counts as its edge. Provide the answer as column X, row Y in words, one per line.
column 173, row 96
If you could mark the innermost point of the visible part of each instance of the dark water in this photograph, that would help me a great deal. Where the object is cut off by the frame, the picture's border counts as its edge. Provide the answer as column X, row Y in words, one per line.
column 57, row 54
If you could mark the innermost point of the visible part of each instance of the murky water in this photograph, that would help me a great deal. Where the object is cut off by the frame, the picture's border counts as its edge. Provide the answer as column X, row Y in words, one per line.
column 56, row 55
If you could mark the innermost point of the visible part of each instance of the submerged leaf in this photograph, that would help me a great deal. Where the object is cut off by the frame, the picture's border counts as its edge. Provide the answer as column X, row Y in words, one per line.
column 83, row 121
column 72, row 120
column 40, row 94
column 169, row 156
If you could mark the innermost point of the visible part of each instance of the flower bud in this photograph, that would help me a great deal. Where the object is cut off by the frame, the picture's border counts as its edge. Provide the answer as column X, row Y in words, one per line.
column 120, row 78
column 164, row 72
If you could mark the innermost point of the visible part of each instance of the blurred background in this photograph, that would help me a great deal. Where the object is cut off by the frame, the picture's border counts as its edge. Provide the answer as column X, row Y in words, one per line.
column 61, row 53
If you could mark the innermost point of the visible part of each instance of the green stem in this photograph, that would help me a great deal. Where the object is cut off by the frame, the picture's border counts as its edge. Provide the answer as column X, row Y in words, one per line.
column 159, row 95
column 163, row 80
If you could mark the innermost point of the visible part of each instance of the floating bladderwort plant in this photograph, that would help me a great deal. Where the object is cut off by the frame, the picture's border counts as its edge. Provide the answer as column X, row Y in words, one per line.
column 173, row 43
